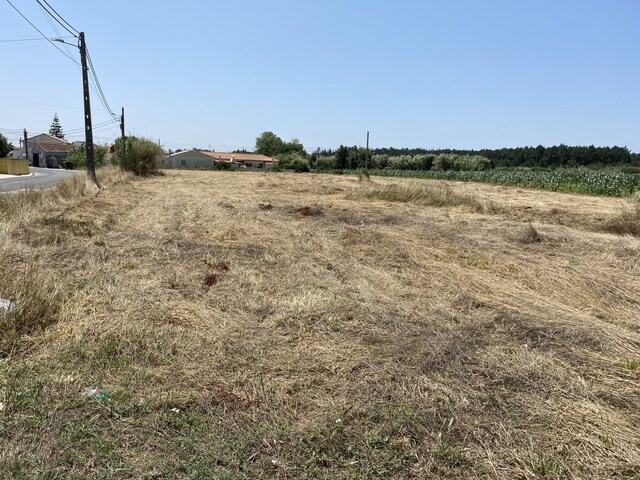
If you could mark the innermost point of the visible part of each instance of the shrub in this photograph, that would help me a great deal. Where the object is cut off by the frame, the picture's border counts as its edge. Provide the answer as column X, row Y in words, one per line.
column 222, row 166
column 78, row 156
column 138, row 155
column 294, row 161
column 325, row 164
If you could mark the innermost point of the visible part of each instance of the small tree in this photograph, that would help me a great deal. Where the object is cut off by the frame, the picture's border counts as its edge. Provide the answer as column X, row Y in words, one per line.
column 56, row 129
column 268, row 143
column 5, row 146
column 78, row 155
column 138, row 155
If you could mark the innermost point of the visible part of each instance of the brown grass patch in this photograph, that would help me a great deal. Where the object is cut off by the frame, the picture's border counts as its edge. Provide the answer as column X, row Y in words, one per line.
column 428, row 195
column 626, row 223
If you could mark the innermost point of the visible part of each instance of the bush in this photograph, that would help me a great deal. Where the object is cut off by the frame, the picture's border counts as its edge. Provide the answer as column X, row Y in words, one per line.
column 78, row 156
column 324, row 164
column 294, row 162
column 138, row 155
column 222, row 166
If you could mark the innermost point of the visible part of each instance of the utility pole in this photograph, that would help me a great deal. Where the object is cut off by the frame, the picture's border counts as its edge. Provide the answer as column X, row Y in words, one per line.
column 91, row 163
column 124, row 142
column 122, row 124
column 26, row 146
column 366, row 157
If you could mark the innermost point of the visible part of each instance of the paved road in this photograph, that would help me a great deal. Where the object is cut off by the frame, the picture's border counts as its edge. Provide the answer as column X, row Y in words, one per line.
column 42, row 178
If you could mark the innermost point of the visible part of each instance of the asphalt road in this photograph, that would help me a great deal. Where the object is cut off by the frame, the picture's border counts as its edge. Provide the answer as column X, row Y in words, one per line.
column 43, row 178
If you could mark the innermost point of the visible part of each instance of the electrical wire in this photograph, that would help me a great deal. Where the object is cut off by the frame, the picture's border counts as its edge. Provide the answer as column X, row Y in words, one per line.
column 29, row 39
column 43, row 35
column 56, row 16
column 48, row 16
column 97, row 88
column 38, row 103
column 97, row 126
column 103, row 98
column 69, row 28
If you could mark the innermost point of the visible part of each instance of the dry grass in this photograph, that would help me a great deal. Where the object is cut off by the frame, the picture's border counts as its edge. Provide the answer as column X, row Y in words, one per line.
column 426, row 195
column 241, row 337
column 626, row 223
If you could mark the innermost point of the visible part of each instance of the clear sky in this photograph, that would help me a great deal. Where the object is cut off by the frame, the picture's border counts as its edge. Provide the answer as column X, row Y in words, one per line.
column 416, row 73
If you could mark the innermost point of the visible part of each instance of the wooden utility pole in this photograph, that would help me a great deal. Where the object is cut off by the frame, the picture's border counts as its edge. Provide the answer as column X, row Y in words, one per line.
column 366, row 157
column 91, row 163
column 26, row 146
column 124, row 142
column 122, row 124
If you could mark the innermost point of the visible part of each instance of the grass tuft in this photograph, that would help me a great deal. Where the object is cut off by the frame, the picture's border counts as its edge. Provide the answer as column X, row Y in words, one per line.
column 37, row 301
column 428, row 195
column 626, row 223
column 529, row 234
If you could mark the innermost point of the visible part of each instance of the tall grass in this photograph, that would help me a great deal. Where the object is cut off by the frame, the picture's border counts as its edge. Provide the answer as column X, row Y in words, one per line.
column 37, row 303
column 16, row 204
column 626, row 223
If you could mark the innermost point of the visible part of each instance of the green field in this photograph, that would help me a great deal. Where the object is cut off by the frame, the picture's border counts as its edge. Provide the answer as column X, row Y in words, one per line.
column 613, row 184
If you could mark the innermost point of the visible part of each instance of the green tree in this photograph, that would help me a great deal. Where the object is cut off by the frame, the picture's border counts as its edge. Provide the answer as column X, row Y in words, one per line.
column 268, row 143
column 56, row 129
column 342, row 157
column 5, row 146
column 294, row 146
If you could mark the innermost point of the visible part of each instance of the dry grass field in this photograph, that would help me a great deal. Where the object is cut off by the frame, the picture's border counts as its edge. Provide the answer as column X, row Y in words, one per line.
column 312, row 326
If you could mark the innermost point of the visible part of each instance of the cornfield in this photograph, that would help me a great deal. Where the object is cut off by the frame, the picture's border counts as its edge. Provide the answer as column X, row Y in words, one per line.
column 587, row 182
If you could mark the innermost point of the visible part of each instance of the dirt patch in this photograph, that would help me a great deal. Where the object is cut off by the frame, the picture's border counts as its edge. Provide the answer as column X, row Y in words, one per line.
column 309, row 211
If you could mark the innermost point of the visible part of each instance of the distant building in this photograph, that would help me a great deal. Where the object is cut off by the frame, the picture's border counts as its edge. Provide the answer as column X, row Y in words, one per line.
column 203, row 159
column 188, row 159
column 250, row 161
column 45, row 150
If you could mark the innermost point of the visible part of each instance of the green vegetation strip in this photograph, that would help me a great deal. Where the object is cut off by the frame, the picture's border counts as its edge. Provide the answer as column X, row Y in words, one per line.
column 587, row 182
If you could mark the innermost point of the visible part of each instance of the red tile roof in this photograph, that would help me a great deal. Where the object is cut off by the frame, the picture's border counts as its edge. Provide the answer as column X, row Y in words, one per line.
column 239, row 157
column 52, row 137
column 56, row 147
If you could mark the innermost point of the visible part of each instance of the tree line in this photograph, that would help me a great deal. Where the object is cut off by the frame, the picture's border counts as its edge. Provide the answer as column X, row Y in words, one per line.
column 540, row 156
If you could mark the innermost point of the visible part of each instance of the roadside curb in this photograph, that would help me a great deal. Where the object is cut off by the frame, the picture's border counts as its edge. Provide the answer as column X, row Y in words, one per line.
column 5, row 176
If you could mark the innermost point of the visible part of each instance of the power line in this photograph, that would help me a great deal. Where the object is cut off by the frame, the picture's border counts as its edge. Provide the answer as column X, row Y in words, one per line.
column 67, row 26
column 107, row 123
column 28, row 39
column 43, row 35
column 103, row 98
column 38, row 103
column 48, row 16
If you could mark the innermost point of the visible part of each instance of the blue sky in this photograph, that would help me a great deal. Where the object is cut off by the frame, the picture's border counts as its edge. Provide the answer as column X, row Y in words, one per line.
column 416, row 73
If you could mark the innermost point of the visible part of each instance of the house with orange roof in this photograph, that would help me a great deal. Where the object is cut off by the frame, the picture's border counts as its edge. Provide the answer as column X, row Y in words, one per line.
column 247, row 161
column 45, row 150
column 205, row 159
